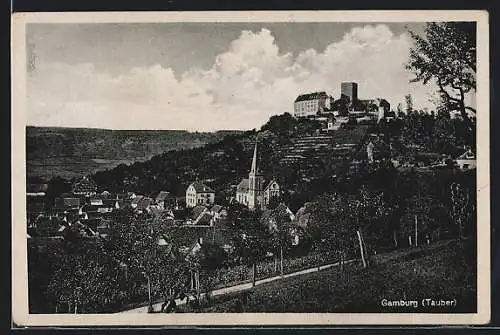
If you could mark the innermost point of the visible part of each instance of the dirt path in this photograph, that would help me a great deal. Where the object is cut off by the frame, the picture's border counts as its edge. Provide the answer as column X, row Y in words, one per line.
column 241, row 287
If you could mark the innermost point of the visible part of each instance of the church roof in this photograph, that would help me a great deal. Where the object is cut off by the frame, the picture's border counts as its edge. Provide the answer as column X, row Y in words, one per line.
column 243, row 186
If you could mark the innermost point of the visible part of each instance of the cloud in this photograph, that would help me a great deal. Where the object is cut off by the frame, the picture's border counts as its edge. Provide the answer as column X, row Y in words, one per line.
column 247, row 84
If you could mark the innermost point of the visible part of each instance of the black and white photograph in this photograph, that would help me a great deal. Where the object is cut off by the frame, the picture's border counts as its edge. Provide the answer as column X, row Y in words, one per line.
column 232, row 168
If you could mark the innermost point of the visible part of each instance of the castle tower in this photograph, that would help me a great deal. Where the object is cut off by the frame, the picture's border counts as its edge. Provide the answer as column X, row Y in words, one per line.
column 255, row 184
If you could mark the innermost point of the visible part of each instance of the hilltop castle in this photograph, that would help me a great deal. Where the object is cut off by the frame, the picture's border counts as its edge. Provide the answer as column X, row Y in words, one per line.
column 252, row 193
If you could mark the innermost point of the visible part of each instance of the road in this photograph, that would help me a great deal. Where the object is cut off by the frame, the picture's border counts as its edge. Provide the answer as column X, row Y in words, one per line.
column 241, row 287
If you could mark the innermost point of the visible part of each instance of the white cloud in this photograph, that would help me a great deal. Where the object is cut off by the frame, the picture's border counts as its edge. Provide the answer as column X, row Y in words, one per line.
column 249, row 82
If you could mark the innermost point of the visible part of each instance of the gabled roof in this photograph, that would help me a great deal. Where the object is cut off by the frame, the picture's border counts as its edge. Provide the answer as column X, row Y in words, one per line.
column 84, row 185
column 311, row 96
column 201, row 188
column 90, row 208
column 144, row 203
column 162, row 196
column 109, row 202
column 270, row 183
column 204, row 220
column 136, row 200
column 268, row 216
column 467, row 155
column 67, row 202
column 243, row 186
column 216, row 208
column 197, row 211
column 156, row 211
column 94, row 215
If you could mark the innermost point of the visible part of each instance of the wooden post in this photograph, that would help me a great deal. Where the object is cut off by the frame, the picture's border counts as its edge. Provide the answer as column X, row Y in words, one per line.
column 149, row 293
column 197, row 276
column 281, row 252
column 275, row 263
column 361, row 248
column 395, row 239
column 416, row 231
column 365, row 250
column 409, row 240
column 253, row 274
column 341, row 260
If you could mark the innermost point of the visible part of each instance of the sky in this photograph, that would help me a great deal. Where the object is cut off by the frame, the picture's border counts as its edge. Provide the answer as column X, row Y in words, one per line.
column 207, row 76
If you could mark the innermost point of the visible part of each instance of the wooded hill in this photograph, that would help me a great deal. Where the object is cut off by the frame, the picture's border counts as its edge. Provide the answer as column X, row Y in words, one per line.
column 222, row 164
column 71, row 152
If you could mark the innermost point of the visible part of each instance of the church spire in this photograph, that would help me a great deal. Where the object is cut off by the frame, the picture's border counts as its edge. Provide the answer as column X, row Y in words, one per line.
column 254, row 160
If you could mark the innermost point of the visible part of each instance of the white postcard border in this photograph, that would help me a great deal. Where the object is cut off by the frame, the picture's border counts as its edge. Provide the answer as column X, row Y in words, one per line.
column 20, row 311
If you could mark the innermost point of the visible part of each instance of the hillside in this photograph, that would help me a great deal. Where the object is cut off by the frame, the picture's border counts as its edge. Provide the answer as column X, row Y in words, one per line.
column 403, row 273
column 71, row 152
column 222, row 164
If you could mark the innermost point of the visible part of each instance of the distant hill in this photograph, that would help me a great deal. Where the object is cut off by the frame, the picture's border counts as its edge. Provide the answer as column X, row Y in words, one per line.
column 70, row 152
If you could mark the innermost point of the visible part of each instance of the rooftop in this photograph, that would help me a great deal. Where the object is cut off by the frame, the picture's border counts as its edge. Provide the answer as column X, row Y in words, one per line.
column 202, row 188
column 311, row 96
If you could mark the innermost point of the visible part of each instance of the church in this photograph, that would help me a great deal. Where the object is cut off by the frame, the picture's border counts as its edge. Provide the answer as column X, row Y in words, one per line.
column 251, row 191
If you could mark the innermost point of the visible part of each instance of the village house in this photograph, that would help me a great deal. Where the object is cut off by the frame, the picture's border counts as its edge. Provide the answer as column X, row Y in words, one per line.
column 144, row 204
column 466, row 161
column 218, row 212
column 252, row 193
column 162, row 199
column 198, row 193
column 85, row 187
column 270, row 219
column 200, row 215
column 135, row 201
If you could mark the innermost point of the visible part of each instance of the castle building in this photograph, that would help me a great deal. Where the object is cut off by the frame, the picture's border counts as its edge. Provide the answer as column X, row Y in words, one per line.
column 311, row 103
column 251, row 191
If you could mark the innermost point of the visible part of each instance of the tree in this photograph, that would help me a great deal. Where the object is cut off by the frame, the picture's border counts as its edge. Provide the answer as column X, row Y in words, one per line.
column 447, row 55
column 85, row 279
column 462, row 208
column 212, row 258
column 409, row 103
column 148, row 251
column 278, row 223
column 330, row 225
column 251, row 241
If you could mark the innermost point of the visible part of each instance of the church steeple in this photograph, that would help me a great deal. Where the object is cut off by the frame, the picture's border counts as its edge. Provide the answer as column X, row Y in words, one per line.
column 255, row 184
column 254, row 161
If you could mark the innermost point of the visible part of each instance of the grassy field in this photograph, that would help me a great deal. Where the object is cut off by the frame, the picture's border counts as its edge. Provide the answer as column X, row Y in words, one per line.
column 444, row 270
